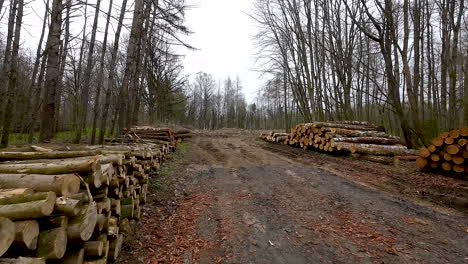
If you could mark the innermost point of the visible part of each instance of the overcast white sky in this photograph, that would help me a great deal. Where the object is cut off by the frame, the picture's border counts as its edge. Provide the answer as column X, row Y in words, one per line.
column 223, row 33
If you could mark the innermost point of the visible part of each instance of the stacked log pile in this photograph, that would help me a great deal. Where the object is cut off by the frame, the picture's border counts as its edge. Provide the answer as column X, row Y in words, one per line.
column 182, row 134
column 146, row 134
column 448, row 152
column 276, row 137
column 362, row 139
column 73, row 206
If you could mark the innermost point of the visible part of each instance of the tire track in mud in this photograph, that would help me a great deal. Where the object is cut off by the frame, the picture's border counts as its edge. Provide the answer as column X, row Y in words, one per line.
column 264, row 207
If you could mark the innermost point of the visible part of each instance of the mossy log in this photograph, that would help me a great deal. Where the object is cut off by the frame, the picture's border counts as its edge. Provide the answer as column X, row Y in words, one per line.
column 94, row 248
column 368, row 140
column 7, row 234
column 73, row 256
column 53, row 167
column 126, row 211
column 63, row 184
column 100, row 222
column 67, row 206
column 22, row 260
column 82, row 196
column 17, row 191
column 46, row 155
column 125, row 227
column 113, row 159
column 112, row 226
column 383, row 150
column 26, row 234
column 29, row 206
column 115, row 247
column 104, row 259
column 52, row 243
column 82, row 226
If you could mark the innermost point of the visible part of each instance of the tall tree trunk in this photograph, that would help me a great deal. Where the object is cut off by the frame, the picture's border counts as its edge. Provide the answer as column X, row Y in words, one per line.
column 12, row 78
column 465, row 91
column 130, row 68
column 52, row 80
column 33, row 87
column 83, row 108
column 453, row 66
column 63, row 61
column 111, row 76
column 100, row 77
column 7, row 59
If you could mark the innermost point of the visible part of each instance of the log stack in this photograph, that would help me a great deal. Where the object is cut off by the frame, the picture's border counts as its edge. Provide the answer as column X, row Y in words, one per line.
column 182, row 134
column 276, row 137
column 361, row 139
column 147, row 135
column 74, row 205
column 448, row 152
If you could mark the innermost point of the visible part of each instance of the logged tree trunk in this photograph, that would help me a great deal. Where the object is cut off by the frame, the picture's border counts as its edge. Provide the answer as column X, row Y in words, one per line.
column 27, row 206
column 375, row 158
column 358, row 133
column 82, row 227
column 104, row 259
column 183, row 136
column 27, row 233
column 382, row 150
column 76, row 256
column 115, row 247
column 64, row 184
column 46, row 155
column 7, row 234
column 127, row 211
column 53, row 167
column 52, row 243
column 348, row 126
column 94, row 248
column 10, row 192
column 368, row 140
column 22, row 260
column 67, row 206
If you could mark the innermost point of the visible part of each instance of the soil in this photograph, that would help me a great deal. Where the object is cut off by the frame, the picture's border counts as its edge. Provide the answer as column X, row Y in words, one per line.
column 227, row 198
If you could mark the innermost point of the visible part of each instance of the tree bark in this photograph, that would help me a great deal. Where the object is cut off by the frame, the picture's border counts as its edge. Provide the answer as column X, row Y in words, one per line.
column 12, row 77
column 53, row 167
column 111, row 76
column 22, row 260
column 27, row 206
column 52, row 244
column 83, row 108
column 100, row 77
column 82, row 227
column 27, row 233
column 4, row 156
column 52, row 81
column 7, row 234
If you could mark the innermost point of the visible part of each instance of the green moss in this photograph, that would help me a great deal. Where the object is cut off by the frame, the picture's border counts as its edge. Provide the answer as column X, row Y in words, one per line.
column 164, row 182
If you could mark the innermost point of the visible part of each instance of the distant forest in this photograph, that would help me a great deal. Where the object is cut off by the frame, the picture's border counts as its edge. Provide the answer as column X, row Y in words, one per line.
column 401, row 64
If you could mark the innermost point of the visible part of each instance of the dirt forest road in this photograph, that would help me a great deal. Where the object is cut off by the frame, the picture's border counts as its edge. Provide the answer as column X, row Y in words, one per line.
column 239, row 200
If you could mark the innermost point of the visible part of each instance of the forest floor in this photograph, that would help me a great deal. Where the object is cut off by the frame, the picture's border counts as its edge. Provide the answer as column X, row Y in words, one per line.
column 228, row 198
